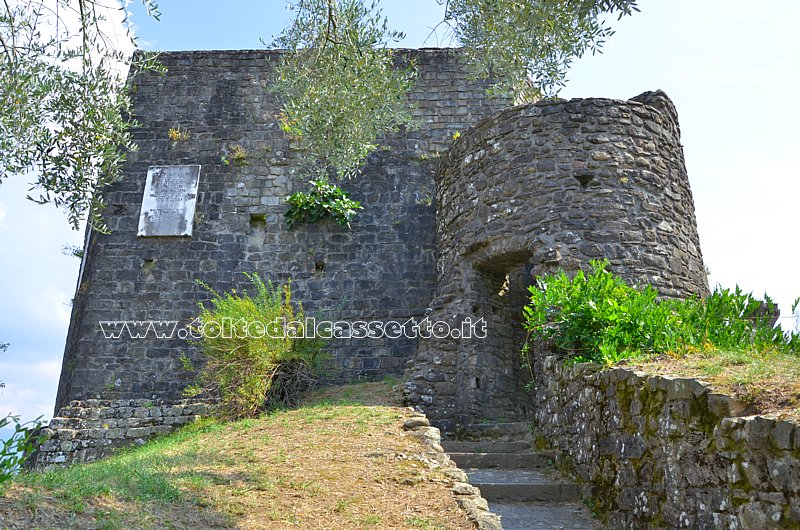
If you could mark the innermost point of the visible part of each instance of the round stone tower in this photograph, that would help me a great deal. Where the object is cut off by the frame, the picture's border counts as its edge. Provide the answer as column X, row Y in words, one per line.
column 537, row 188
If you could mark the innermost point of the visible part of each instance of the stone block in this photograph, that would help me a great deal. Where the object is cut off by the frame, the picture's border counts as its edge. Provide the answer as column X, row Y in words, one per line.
column 414, row 422
column 722, row 405
column 782, row 434
column 138, row 432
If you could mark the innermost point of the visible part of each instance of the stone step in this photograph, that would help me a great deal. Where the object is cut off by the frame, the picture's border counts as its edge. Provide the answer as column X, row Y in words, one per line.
column 521, row 485
column 502, row 460
column 531, row 515
column 518, row 483
column 499, row 431
column 486, row 446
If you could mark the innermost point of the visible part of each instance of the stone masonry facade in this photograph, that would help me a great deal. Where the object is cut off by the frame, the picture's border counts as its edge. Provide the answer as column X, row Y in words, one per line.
column 455, row 227
column 384, row 268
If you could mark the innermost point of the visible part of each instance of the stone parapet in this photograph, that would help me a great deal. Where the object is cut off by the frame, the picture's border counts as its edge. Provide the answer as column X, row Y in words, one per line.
column 662, row 452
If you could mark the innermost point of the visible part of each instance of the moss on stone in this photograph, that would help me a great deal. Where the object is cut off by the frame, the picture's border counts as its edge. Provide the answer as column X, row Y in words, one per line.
column 540, row 443
column 701, row 415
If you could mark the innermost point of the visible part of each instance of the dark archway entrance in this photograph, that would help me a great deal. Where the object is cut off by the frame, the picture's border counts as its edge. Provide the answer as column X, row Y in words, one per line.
column 490, row 371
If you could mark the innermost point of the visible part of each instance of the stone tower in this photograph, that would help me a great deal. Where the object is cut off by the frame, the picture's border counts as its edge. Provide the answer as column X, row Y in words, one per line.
column 384, row 268
column 533, row 189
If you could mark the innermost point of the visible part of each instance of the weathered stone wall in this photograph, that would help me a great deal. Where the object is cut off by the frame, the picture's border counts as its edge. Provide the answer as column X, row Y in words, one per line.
column 381, row 269
column 89, row 430
column 532, row 189
column 658, row 452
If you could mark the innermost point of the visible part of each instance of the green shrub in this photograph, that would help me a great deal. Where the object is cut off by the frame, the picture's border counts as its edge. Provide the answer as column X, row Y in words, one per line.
column 598, row 317
column 251, row 373
column 16, row 449
column 324, row 199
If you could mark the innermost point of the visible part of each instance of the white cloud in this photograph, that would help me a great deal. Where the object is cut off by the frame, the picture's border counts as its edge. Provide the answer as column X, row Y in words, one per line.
column 30, row 388
column 53, row 308
column 3, row 225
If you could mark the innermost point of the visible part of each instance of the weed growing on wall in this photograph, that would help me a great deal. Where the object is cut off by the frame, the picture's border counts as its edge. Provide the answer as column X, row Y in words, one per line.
column 251, row 373
column 597, row 317
column 176, row 134
column 324, row 200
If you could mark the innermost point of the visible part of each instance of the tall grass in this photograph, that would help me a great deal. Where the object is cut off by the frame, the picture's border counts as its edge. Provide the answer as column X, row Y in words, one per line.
column 255, row 350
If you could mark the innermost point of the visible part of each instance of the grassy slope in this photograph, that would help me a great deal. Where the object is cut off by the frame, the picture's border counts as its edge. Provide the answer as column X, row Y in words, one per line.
column 334, row 463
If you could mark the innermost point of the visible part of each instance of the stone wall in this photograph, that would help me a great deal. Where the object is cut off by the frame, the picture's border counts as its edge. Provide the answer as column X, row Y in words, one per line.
column 89, row 430
column 532, row 189
column 381, row 269
column 659, row 452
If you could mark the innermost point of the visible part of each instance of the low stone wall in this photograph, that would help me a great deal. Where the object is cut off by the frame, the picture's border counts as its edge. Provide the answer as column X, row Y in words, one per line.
column 467, row 496
column 660, row 452
column 88, row 430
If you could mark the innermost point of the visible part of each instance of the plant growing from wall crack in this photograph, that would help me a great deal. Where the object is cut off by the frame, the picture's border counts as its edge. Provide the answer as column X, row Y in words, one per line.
column 236, row 155
column 324, row 200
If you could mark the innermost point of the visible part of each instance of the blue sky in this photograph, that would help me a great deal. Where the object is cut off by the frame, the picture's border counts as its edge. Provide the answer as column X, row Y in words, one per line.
column 732, row 70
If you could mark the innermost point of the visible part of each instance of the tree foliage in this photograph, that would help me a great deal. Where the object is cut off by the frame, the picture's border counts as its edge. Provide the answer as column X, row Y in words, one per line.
column 339, row 84
column 342, row 91
column 528, row 45
column 63, row 107
column 19, row 446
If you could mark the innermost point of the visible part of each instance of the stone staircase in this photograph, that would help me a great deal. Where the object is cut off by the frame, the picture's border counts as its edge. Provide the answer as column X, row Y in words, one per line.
column 520, row 485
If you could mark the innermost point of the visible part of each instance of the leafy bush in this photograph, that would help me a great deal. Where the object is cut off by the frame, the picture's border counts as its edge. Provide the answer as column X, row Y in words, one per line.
column 16, row 449
column 325, row 199
column 598, row 317
column 256, row 356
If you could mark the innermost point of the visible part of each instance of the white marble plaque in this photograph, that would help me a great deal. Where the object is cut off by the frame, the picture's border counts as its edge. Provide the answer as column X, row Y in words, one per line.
column 170, row 196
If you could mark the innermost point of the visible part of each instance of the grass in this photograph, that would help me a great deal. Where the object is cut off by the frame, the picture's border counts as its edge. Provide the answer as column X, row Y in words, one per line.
column 340, row 461
column 769, row 381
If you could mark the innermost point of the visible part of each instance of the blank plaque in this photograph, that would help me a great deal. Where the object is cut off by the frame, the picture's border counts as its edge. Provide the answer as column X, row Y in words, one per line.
column 168, row 204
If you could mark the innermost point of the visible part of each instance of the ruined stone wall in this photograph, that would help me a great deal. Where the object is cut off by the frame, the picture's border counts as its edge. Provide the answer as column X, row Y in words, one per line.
column 383, row 268
column 532, row 189
column 89, row 430
column 659, row 452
